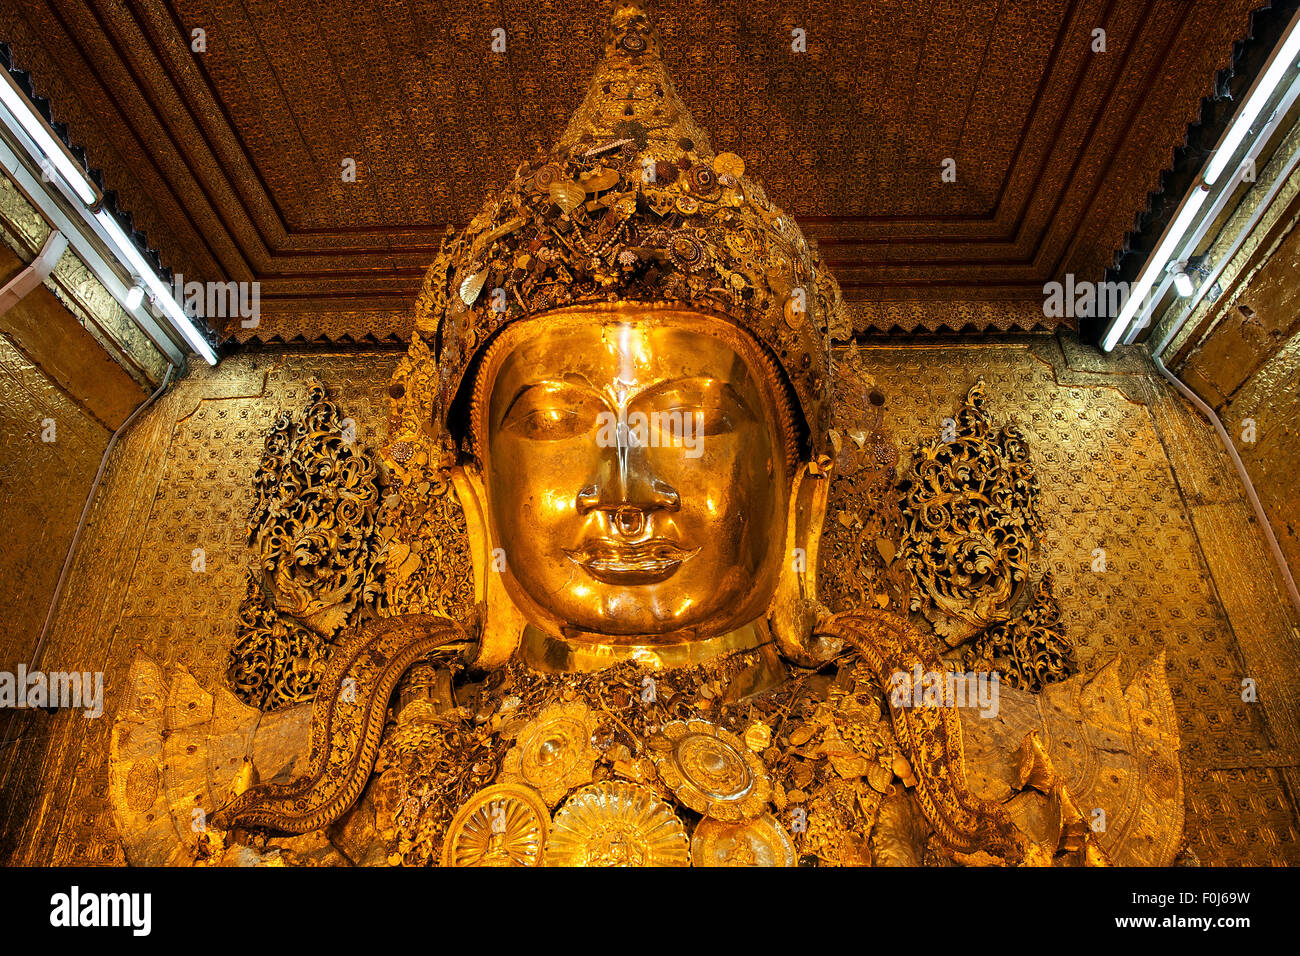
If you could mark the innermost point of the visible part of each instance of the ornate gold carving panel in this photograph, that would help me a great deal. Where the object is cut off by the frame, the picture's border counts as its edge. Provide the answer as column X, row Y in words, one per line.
column 971, row 540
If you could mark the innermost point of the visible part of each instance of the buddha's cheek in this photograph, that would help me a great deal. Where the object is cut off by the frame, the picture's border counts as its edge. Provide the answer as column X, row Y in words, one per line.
column 532, row 506
column 733, row 507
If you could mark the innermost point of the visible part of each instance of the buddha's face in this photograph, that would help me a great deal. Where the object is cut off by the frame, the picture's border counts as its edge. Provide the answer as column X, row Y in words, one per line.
column 635, row 474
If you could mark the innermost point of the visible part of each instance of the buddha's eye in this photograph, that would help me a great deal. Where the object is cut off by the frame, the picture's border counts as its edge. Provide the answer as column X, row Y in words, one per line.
column 552, row 413
column 690, row 409
column 548, row 424
column 705, row 418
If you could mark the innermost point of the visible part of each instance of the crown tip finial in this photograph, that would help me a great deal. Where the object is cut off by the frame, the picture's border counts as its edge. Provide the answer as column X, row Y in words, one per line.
column 630, row 15
column 632, row 6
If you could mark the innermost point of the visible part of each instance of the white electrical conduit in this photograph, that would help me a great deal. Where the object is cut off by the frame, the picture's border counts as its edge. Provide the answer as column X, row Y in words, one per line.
column 34, row 274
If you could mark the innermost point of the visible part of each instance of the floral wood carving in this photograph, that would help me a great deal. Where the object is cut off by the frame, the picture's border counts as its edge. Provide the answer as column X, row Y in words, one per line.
column 318, row 558
column 1031, row 650
column 970, row 523
column 972, row 534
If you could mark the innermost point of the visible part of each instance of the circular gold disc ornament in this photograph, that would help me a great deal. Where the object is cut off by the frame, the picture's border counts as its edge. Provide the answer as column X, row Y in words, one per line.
column 501, row 825
column 710, row 770
column 553, row 753
column 617, row 824
column 729, row 164
column 758, row 842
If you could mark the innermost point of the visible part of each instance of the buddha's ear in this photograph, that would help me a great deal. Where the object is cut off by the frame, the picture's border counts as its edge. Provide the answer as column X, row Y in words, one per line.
column 503, row 624
column 795, row 608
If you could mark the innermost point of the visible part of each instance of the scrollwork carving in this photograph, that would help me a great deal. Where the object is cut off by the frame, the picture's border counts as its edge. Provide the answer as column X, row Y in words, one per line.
column 972, row 536
column 971, row 526
column 318, row 559
column 275, row 660
column 1031, row 650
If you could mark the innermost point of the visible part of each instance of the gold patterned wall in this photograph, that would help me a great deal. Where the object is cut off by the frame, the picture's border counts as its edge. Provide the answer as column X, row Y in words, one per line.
column 43, row 485
column 72, row 369
column 1270, row 398
column 1124, row 467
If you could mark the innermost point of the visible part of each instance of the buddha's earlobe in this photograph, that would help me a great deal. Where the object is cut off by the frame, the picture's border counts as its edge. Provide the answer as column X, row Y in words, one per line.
column 502, row 622
column 795, row 608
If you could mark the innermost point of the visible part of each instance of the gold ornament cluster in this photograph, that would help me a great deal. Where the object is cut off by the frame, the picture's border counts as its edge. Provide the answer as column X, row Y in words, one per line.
column 634, row 766
column 580, row 769
column 617, row 822
column 803, row 773
column 429, row 568
column 860, row 563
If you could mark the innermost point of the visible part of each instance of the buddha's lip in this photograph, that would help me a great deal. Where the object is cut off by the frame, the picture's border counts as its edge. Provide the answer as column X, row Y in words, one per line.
column 616, row 562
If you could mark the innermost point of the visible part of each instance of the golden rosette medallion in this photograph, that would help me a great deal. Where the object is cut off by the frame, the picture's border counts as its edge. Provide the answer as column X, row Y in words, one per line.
column 761, row 841
column 553, row 753
column 711, row 770
column 617, row 824
column 502, row 825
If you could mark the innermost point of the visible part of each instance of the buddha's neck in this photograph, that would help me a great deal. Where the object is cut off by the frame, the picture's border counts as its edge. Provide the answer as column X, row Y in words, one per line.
column 551, row 655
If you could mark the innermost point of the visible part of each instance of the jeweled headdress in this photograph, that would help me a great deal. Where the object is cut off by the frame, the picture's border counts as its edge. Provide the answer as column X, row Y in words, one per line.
column 631, row 205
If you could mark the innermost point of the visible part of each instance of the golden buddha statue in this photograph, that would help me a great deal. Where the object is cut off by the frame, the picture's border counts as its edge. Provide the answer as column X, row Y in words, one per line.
column 611, row 450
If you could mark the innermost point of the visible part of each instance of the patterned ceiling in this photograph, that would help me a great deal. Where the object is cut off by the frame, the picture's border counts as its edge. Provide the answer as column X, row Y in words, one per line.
column 230, row 159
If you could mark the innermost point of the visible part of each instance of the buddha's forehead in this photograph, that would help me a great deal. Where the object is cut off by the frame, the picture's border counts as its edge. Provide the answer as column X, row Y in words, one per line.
column 623, row 349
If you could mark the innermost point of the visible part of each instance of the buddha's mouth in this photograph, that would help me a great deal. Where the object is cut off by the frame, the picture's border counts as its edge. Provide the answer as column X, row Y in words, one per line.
column 615, row 562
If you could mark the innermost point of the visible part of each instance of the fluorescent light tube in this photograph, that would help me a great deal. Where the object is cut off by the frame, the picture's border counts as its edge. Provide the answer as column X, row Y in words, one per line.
column 1250, row 109
column 1155, row 266
column 50, row 148
column 127, row 251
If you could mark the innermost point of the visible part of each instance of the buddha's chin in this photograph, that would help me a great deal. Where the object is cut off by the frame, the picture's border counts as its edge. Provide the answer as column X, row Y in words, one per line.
column 629, row 619
column 648, row 599
column 570, row 648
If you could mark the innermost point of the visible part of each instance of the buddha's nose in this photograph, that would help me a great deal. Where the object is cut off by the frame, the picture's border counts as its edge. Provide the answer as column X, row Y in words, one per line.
column 628, row 505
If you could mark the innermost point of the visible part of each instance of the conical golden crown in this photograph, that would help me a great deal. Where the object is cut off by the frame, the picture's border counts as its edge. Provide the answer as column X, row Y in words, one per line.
column 632, row 88
column 631, row 205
